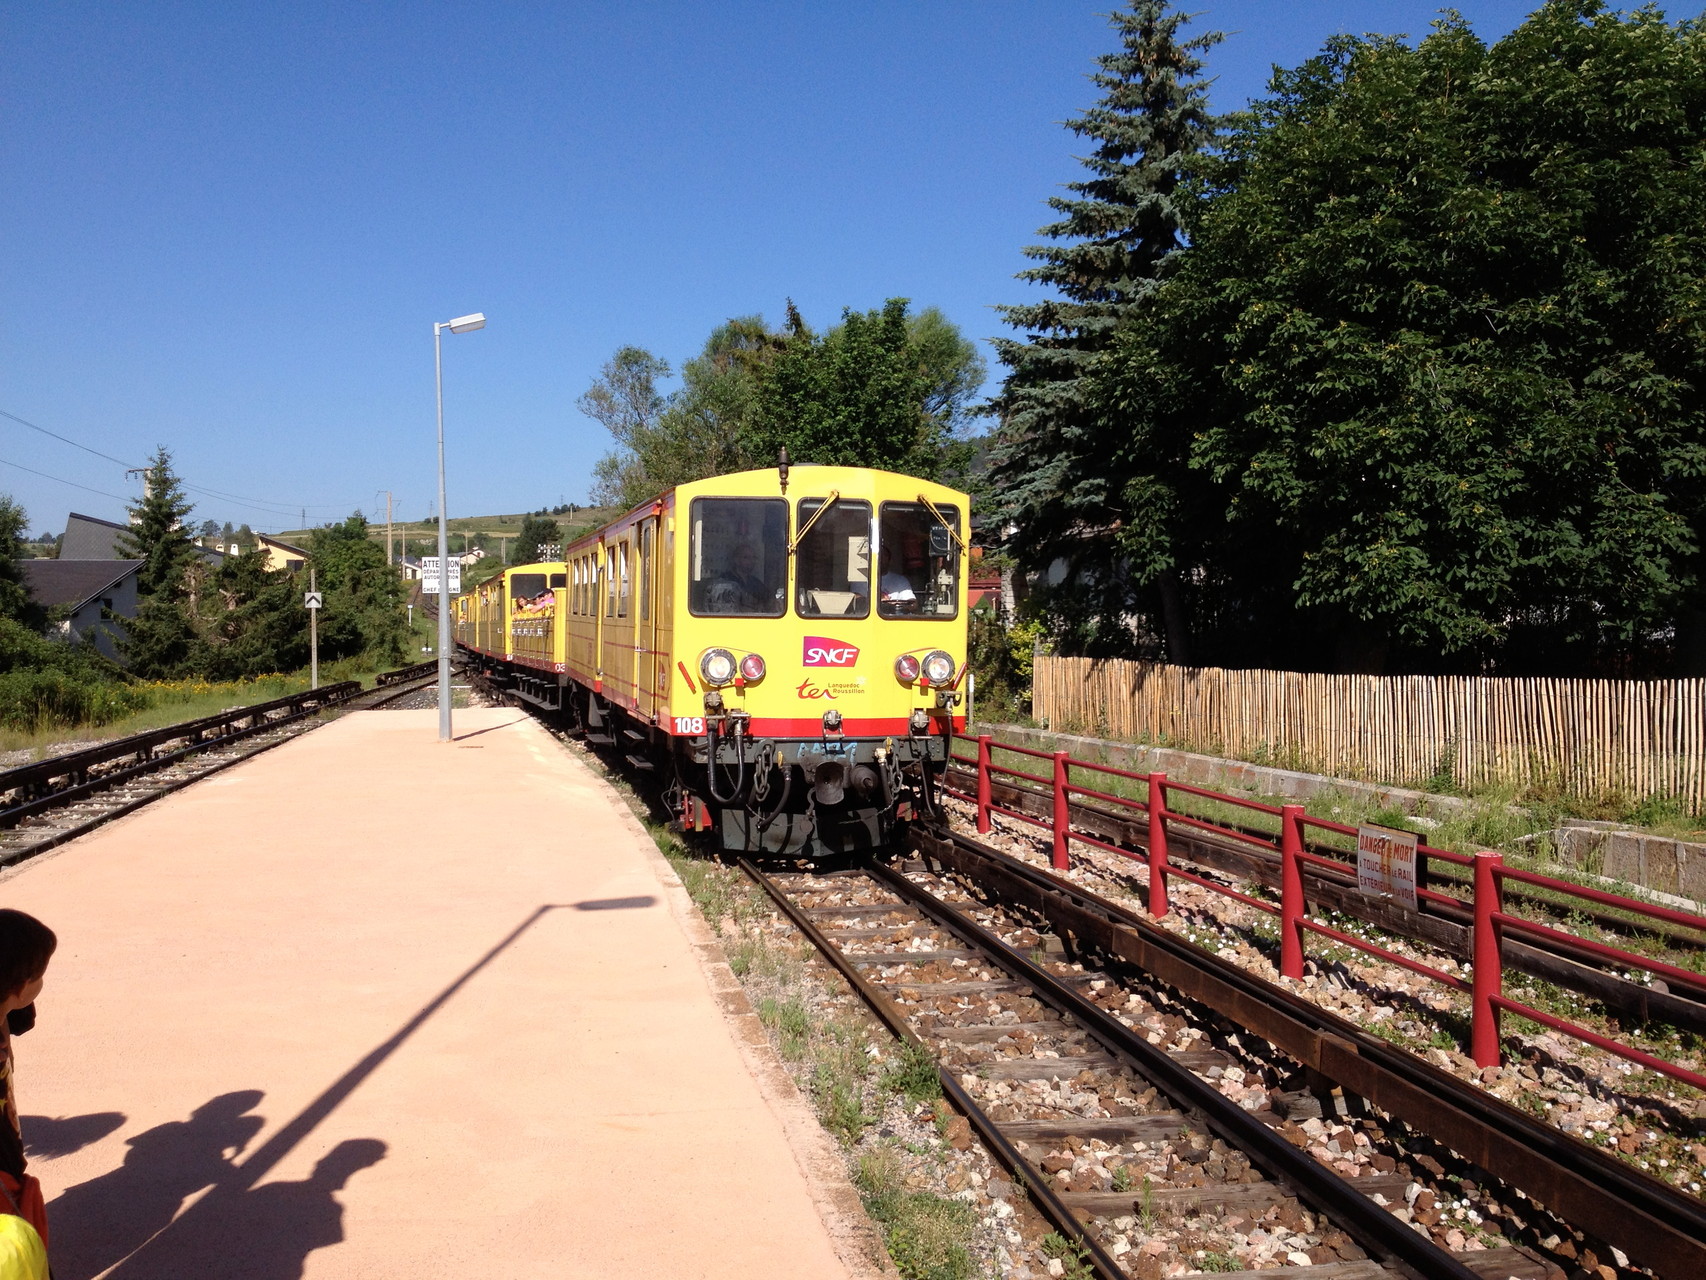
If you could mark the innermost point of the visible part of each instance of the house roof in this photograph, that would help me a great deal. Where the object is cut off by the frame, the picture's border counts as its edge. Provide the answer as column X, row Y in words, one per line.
column 74, row 582
column 281, row 544
column 90, row 538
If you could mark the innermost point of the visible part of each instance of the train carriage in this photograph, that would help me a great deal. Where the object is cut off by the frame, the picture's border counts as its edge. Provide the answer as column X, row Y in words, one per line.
column 786, row 646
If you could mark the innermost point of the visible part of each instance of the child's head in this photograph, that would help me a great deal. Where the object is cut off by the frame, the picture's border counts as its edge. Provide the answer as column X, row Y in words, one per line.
column 26, row 945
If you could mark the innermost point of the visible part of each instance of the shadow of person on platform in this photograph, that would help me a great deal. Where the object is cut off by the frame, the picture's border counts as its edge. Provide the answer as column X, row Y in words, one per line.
column 49, row 1137
column 264, row 1233
column 99, row 1222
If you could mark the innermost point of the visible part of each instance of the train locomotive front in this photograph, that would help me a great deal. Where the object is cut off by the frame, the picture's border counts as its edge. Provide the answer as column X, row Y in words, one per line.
column 785, row 647
column 822, row 652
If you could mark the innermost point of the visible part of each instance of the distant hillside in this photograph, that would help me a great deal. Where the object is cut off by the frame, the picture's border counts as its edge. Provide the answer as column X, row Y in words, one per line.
column 494, row 533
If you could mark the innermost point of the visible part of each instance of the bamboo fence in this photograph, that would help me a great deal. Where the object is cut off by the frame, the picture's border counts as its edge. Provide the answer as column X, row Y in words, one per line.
column 1627, row 738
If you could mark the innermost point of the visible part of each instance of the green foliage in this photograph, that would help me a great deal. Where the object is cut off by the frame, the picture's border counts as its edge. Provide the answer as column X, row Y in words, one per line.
column 1425, row 390
column 926, row 1234
column 1117, row 229
column 913, row 1074
column 1002, row 658
column 868, row 393
column 15, row 599
column 1073, row 1256
column 32, row 700
column 251, row 621
column 883, row 389
column 536, row 531
column 363, row 614
column 157, row 535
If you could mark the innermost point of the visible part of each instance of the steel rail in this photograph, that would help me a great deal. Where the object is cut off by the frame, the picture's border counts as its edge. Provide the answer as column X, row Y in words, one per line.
column 1037, row 1189
column 1648, row 1219
column 1387, row 1239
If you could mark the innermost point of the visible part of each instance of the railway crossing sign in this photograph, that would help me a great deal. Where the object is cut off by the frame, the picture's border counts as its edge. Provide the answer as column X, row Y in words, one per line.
column 313, row 599
column 430, row 575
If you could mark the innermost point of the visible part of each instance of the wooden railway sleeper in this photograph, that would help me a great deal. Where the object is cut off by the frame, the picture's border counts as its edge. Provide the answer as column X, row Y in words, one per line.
column 1381, row 1234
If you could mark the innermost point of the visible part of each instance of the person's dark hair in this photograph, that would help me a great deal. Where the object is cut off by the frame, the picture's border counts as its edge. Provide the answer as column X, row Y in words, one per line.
column 26, row 945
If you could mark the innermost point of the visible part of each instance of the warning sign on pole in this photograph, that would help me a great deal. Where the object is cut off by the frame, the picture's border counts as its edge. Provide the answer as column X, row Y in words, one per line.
column 1386, row 865
column 313, row 599
column 430, row 575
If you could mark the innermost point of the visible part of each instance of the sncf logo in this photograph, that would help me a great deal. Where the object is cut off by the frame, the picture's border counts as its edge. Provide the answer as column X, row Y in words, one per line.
column 821, row 651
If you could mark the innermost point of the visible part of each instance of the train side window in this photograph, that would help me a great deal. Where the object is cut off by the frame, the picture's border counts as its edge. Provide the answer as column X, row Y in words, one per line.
column 646, row 532
column 738, row 557
column 832, row 567
column 622, row 584
column 559, row 580
column 918, row 561
column 610, row 582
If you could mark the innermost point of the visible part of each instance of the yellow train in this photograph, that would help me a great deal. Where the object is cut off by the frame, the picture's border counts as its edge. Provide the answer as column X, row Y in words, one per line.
column 785, row 646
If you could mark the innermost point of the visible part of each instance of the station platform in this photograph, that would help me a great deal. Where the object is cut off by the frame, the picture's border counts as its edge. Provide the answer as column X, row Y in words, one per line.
column 370, row 1005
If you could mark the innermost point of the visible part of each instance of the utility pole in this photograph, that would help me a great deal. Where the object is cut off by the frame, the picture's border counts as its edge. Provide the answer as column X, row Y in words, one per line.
column 388, row 560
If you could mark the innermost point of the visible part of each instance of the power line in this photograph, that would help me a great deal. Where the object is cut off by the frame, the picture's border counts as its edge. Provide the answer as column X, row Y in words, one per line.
column 264, row 505
column 44, row 475
column 66, row 439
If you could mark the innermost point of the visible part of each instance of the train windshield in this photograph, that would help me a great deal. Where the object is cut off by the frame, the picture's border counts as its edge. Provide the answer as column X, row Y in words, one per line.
column 738, row 557
column 832, row 568
column 918, row 561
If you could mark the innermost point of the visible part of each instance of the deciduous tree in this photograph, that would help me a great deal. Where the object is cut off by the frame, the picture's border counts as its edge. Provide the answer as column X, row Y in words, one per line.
column 1426, row 388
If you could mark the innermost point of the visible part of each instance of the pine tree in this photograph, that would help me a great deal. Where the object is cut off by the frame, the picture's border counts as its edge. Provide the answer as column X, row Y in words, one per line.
column 1116, row 230
column 160, row 641
column 157, row 535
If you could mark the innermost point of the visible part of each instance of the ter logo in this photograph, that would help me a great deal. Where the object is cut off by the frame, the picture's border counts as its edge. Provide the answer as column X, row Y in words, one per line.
column 821, row 651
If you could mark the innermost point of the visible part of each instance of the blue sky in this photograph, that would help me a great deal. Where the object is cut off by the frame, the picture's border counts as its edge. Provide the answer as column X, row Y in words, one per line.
column 228, row 228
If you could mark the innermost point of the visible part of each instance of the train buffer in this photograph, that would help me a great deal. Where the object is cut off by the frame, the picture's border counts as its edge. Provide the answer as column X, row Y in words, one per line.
column 369, row 1004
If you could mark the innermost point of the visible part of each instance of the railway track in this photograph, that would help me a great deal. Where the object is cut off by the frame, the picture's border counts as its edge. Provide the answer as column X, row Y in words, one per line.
column 1111, row 1135
column 1034, row 996
column 45, row 804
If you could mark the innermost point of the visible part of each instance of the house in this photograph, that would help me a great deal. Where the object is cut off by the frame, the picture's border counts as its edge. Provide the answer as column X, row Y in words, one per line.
column 84, row 592
column 471, row 557
column 281, row 555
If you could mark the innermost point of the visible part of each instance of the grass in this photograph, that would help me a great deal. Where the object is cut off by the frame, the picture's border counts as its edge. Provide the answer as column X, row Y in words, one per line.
column 173, row 701
column 926, row 1234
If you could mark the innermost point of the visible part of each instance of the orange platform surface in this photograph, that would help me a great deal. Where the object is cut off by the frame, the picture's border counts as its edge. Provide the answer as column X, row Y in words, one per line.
column 371, row 1005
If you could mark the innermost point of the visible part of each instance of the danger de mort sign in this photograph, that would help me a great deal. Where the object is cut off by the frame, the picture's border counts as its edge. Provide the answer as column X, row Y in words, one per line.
column 1386, row 865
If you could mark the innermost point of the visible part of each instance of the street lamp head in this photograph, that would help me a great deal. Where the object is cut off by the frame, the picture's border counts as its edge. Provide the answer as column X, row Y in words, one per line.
column 467, row 324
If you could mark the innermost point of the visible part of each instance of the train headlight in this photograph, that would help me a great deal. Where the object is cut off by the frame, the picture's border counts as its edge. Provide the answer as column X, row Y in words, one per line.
column 938, row 667
column 906, row 668
column 717, row 666
column 752, row 668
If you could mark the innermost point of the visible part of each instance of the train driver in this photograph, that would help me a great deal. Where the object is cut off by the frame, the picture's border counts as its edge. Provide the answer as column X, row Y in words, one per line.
column 743, row 588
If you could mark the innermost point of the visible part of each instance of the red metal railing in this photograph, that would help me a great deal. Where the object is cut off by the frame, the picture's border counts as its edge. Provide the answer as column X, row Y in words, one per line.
column 1484, row 903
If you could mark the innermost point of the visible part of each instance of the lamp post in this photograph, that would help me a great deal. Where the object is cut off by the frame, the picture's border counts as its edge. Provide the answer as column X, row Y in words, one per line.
column 462, row 324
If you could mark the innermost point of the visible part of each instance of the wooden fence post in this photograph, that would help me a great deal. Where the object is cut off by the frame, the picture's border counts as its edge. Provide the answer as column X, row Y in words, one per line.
column 1292, row 904
column 1062, row 815
column 1157, row 844
column 1487, row 965
column 983, row 784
